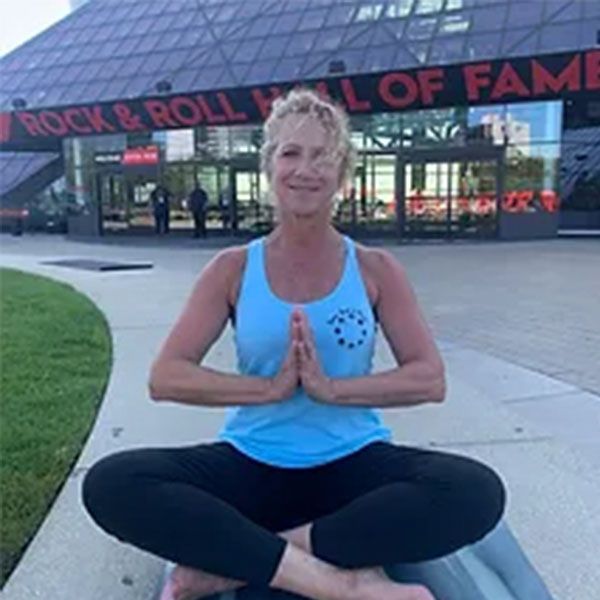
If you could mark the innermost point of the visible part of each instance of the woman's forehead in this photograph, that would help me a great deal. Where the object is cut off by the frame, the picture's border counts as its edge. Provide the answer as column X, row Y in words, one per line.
column 303, row 128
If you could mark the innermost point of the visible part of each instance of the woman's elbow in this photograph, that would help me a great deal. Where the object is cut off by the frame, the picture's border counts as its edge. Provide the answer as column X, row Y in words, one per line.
column 156, row 383
column 437, row 387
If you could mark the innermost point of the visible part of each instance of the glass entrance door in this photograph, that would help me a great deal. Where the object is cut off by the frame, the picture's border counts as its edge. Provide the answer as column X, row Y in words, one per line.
column 125, row 201
column 367, row 203
column 253, row 212
column 140, row 211
column 113, row 195
column 449, row 195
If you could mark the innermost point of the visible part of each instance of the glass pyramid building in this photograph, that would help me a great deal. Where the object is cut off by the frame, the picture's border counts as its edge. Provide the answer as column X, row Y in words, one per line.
column 115, row 49
column 129, row 50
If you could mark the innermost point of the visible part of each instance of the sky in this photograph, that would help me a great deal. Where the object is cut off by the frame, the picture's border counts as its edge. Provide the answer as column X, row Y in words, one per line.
column 20, row 20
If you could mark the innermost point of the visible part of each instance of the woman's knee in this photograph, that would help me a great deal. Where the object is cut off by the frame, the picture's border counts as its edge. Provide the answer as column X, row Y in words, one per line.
column 482, row 496
column 108, row 483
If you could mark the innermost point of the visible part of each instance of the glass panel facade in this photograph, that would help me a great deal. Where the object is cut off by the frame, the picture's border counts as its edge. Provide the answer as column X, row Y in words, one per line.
column 399, row 8
column 560, row 10
column 520, row 42
column 555, row 38
column 454, row 24
column 419, row 29
column 484, row 45
column 425, row 7
column 369, row 12
column 379, row 58
column 166, row 37
column 420, row 173
column 447, row 50
column 528, row 12
column 488, row 19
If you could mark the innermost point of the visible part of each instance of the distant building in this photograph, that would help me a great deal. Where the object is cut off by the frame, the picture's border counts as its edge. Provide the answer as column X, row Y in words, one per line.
column 472, row 118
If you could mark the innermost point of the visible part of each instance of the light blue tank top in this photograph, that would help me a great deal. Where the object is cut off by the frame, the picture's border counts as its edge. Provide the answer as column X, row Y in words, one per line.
column 298, row 431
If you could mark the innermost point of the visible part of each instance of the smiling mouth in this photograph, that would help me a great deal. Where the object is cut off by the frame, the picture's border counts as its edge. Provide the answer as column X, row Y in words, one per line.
column 303, row 188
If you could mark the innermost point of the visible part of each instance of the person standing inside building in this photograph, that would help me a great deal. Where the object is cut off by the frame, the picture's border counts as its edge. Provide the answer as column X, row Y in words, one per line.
column 304, row 490
column 198, row 200
column 161, row 199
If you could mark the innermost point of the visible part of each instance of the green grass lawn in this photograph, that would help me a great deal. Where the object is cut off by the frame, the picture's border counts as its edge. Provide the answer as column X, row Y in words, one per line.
column 55, row 358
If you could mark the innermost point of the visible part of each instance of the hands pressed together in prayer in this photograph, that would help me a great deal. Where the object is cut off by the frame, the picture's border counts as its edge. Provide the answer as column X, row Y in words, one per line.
column 301, row 366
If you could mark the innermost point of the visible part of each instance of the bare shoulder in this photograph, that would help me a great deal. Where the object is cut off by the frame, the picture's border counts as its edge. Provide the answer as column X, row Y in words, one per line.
column 232, row 259
column 379, row 268
column 229, row 264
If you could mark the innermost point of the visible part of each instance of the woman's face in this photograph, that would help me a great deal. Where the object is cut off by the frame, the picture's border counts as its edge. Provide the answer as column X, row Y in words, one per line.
column 305, row 168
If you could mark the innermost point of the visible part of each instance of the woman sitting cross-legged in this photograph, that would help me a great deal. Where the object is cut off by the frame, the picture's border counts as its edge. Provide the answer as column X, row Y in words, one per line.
column 304, row 490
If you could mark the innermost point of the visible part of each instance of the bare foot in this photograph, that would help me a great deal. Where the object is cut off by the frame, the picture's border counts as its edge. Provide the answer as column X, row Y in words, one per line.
column 186, row 583
column 374, row 584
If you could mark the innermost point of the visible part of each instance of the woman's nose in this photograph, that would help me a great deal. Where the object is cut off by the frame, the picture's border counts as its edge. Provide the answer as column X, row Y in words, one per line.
column 306, row 165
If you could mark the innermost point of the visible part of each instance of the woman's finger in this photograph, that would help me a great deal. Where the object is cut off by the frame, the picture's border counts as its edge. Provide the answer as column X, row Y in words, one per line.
column 310, row 349
column 293, row 326
column 303, row 334
column 295, row 321
column 308, row 330
column 296, row 329
column 297, row 351
column 305, row 354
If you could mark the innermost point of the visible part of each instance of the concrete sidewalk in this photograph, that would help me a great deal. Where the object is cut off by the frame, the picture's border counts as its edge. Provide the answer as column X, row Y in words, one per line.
column 509, row 404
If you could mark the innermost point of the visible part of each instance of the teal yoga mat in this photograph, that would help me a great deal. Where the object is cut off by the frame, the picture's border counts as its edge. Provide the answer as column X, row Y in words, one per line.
column 495, row 568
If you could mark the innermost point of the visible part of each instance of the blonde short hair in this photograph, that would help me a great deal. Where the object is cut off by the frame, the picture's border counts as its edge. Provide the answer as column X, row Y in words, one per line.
column 332, row 117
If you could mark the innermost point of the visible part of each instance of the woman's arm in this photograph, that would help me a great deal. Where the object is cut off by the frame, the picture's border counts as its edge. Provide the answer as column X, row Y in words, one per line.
column 419, row 377
column 176, row 374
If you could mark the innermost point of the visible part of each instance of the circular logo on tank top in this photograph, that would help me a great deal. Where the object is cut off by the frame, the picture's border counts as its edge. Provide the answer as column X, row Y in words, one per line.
column 349, row 326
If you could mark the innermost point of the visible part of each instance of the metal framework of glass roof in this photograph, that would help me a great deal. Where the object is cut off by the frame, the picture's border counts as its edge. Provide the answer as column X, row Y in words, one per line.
column 121, row 49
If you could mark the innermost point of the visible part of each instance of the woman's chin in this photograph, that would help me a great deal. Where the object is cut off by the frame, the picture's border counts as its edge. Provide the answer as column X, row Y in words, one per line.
column 303, row 210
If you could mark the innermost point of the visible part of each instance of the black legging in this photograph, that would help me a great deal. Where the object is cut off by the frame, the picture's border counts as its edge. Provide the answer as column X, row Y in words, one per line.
column 212, row 508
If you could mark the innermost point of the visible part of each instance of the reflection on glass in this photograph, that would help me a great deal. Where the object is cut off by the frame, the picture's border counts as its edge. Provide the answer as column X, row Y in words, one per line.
column 399, row 8
column 369, row 12
column 531, row 182
column 419, row 50
column 429, row 128
column 419, row 29
column 580, row 169
column 425, row 7
column 369, row 199
column 457, row 197
column 486, row 124
column 454, row 24
column 542, row 121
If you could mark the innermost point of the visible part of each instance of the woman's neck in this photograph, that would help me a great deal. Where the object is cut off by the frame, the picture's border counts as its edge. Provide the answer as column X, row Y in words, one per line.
column 304, row 238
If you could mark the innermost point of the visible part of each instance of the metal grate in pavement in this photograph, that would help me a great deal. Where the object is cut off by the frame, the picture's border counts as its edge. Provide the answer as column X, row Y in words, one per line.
column 89, row 264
